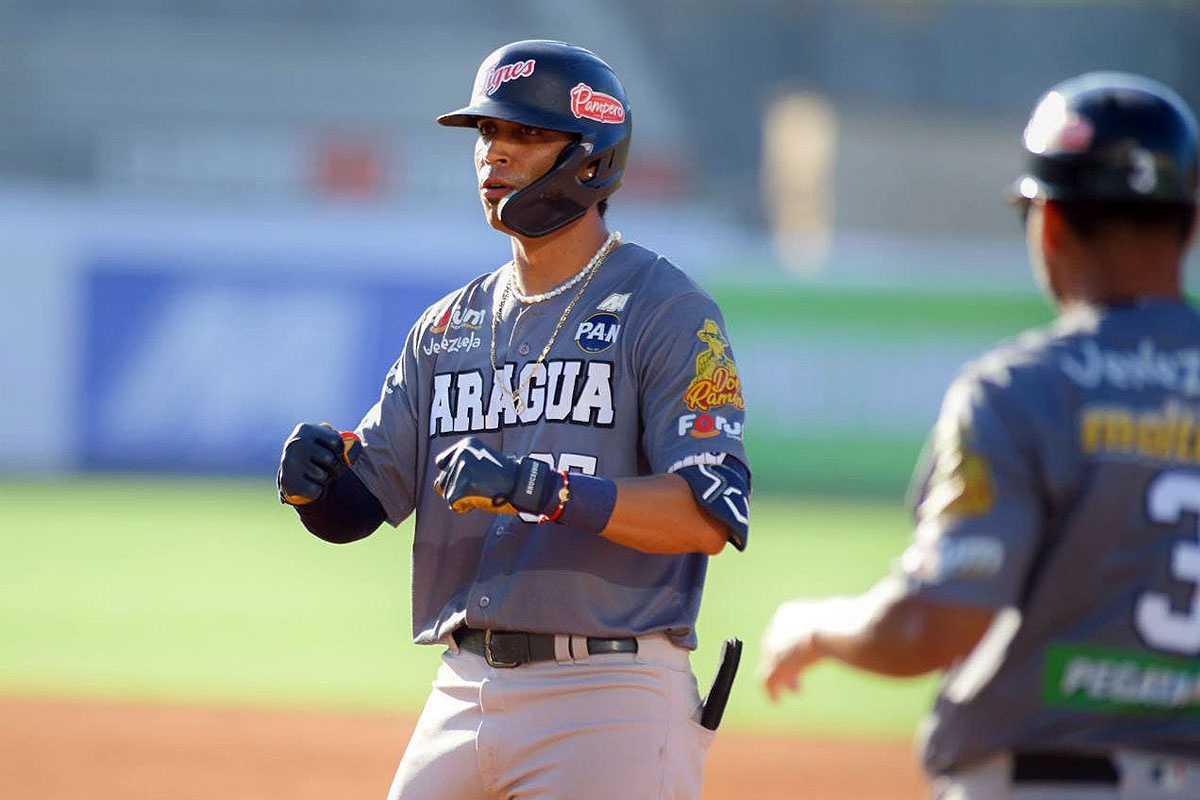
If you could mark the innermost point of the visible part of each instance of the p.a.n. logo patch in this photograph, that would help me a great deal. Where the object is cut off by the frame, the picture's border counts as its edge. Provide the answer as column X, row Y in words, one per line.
column 598, row 332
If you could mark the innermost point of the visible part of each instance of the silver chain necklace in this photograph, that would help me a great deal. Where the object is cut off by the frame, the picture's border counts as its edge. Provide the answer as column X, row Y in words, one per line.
column 589, row 271
column 530, row 299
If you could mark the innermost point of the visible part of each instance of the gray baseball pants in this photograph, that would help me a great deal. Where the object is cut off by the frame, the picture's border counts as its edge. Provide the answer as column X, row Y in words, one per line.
column 612, row 725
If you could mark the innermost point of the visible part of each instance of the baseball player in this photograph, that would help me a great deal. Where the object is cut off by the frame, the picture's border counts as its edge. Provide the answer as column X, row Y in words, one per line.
column 1054, row 570
column 568, row 431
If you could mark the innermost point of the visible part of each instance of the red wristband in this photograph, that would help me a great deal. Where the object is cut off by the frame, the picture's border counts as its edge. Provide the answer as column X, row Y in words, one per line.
column 564, row 494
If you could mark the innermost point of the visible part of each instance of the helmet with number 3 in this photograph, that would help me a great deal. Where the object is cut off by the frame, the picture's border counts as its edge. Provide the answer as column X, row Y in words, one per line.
column 1110, row 137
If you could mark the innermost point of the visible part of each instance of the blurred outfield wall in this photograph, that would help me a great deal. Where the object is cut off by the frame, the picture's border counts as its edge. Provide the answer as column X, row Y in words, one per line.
column 150, row 344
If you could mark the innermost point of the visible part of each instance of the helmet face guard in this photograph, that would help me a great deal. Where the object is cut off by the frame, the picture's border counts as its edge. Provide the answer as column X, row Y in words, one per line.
column 559, row 87
column 1110, row 137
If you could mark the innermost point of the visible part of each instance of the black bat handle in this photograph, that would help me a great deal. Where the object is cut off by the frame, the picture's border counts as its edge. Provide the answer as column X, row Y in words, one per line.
column 718, row 693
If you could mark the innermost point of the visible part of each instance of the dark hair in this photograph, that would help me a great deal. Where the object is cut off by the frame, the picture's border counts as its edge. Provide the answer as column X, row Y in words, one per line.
column 602, row 207
column 1091, row 218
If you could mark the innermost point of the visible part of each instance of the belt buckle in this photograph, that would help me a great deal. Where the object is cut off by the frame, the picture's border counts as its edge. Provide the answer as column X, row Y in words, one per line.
column 490, row 659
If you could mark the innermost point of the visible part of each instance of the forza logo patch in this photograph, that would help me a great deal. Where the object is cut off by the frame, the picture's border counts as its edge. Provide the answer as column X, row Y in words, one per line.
column 598, row 332
column 706, row 426
column 716, row 383
column 498, row 76
column 586, row 103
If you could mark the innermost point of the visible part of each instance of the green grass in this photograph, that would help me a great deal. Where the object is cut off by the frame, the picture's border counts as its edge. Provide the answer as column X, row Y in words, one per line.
column 880, row 312
column 210, row 592
column 838, row 464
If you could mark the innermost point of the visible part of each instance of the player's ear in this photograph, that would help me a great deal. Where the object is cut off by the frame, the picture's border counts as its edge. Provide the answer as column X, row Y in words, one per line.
column 1056, row 231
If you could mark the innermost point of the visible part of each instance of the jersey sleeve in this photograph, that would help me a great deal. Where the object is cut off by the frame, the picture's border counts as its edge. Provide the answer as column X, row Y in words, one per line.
column 388, row 464
column 690, row 391
column 977, row 501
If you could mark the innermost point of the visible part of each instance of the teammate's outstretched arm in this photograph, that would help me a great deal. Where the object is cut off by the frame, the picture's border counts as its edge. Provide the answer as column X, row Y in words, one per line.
column 884, row 630
column 655, row 514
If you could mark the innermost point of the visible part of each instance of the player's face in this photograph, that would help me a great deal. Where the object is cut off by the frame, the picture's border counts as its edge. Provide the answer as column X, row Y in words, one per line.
column 509, row 157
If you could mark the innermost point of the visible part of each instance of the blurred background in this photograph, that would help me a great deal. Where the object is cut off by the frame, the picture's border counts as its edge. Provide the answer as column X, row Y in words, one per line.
column 220, row 217
column 183, row 183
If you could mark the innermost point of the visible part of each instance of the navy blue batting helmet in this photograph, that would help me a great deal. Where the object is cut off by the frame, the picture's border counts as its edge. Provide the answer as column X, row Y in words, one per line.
column 561, row 87
column 1110, row 137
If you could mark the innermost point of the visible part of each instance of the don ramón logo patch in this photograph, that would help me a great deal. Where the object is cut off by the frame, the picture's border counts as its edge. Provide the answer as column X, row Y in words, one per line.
column 716, row 383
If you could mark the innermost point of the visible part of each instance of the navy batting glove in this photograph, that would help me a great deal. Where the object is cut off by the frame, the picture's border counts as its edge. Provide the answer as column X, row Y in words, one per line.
column 312, row 457
column 473, row 475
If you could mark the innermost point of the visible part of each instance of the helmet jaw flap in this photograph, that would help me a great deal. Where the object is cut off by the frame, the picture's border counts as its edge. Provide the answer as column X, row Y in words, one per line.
column 560, row 197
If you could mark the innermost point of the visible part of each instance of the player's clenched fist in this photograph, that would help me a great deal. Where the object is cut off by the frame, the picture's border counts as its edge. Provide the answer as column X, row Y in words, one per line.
column 473, row 475
column 312, row 457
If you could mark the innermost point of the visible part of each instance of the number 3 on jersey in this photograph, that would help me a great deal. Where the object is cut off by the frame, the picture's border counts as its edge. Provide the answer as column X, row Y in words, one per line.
column 1169, row 496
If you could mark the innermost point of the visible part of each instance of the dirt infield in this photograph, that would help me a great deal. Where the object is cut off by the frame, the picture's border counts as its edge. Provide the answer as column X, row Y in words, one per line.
column 66, row 750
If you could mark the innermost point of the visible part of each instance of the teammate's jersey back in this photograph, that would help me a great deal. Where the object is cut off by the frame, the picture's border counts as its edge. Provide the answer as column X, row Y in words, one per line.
column 1062, row 487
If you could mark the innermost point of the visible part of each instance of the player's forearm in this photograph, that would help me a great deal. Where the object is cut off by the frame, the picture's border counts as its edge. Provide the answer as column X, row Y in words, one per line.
column 852, row 632
column 886, row 632
column 346, row 513
column 658, row 514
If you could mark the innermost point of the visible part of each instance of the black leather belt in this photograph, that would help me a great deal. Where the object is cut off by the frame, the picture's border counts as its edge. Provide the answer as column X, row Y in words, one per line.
column 1049, row 766
column 514, row 648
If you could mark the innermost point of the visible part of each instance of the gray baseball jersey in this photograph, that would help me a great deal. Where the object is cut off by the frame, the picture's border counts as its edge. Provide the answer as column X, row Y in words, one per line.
column 1062, row 487
column 640, row 380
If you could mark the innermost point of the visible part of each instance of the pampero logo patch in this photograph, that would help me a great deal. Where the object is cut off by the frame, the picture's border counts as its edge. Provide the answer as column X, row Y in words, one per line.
column 598, row 332
column 1054, row 129
column 498, row 76
column 587, row 103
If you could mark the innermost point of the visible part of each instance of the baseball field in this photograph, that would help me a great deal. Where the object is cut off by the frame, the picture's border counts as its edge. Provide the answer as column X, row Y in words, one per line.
column 177, row 638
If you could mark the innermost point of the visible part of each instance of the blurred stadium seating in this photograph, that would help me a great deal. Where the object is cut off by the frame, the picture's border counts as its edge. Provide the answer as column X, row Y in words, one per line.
column 178, row 177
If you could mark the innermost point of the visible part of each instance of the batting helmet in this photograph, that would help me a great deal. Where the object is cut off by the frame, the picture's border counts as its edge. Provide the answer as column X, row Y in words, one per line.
column 1110, row 137
column 559, row 87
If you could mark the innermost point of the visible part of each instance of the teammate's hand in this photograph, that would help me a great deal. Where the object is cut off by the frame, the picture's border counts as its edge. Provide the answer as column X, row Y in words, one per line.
column 473, row 475
column 312, row 457
column 788, row 645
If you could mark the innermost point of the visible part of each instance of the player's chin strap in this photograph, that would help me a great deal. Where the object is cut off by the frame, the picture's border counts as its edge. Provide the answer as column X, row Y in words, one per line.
column 722, row 490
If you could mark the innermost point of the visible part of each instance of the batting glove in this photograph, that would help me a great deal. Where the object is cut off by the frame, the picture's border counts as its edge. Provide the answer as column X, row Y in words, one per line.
column 473, row 475
column 313, row 456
